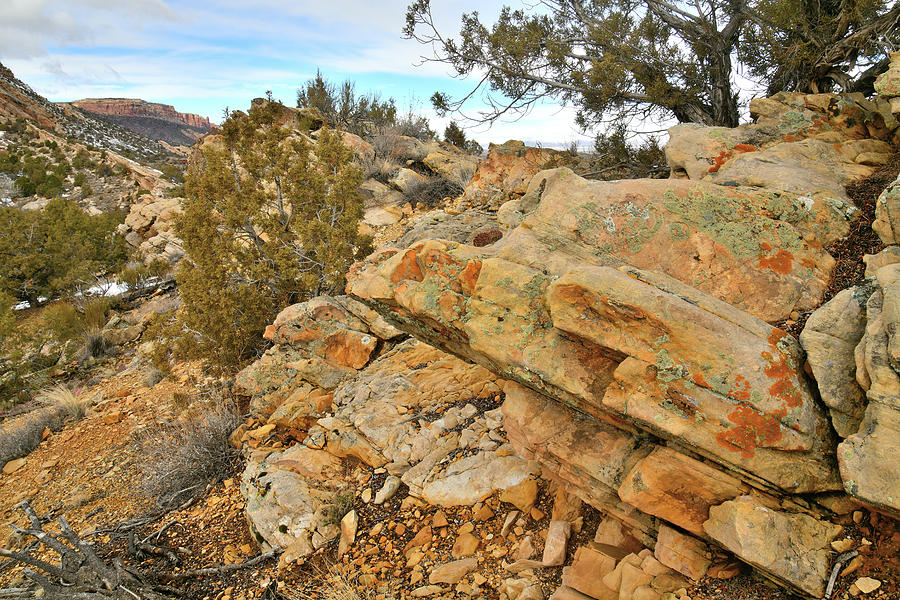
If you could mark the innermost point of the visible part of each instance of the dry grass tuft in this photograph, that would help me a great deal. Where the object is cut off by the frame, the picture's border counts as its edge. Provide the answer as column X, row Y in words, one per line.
column 62, row 397
column 19, row 437
column 431, row 191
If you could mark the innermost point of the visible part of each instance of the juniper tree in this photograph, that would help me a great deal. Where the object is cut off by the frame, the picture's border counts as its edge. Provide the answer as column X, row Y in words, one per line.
column 625, row 59
column 269, row 219
column 54, row 251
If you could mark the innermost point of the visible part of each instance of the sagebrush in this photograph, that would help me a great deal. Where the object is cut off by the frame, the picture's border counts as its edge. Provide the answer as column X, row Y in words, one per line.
column 180, row 459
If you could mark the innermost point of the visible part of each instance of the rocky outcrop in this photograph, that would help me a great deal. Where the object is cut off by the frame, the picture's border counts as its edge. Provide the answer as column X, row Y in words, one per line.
column 633, row 320
column 507, row 170
column 148, row 228
column 830, row 336
column 852, row 350
column 638, row 352
column 338, row 380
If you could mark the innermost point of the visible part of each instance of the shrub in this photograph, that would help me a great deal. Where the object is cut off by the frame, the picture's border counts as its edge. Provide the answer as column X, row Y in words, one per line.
column 95, row 346
column 453, row 134
column 431, row 191
column 339, row 507
column 180, row 459
column 51, row 252
column 133, row 276
column 7, row 316
column 618, row 158
column 82, row 160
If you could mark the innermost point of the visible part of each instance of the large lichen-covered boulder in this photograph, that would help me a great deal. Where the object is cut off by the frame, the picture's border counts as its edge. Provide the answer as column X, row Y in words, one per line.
column 792, row 547
column 812, row 145
column 760, row 251
column 639, row 346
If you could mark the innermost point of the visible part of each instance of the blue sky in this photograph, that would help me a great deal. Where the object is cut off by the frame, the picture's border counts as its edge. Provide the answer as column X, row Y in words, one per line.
column 204, row 56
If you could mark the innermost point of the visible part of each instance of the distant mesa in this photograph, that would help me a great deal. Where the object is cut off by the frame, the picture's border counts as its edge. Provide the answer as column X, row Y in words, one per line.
column 157, row 121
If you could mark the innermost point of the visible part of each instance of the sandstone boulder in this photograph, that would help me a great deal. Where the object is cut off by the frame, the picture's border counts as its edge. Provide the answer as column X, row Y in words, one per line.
column 867, row 458
column 887, row 214
column 406, row 179
column 830, row 337
column 449, row 162
column 888, row 83
column 288, row 498
column 792, row 547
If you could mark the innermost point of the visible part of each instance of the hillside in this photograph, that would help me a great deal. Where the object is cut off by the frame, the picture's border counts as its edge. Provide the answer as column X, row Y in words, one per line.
column 18, row 100
column 156, row 121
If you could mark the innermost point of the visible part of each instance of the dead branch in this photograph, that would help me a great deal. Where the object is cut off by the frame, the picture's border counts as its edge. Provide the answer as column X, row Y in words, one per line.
column 220, row 569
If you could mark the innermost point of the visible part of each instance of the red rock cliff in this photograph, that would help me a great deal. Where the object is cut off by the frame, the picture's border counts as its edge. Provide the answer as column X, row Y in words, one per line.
column 127, row 107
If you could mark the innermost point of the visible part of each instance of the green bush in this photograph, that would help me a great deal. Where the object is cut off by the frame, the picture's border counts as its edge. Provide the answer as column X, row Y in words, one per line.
column 285, row 229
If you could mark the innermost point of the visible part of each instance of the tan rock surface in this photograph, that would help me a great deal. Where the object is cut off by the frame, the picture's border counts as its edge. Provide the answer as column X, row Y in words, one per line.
column 792, row 547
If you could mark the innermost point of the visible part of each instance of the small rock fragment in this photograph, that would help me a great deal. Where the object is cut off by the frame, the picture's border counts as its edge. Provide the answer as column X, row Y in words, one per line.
column 555, row 547
column 452, row 572
column 867, row 585
column 387, row 491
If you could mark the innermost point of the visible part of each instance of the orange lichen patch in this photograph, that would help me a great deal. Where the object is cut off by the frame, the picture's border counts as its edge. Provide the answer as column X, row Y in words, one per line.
column 719, row 160
column 725, row 155
column 469, row 277
column 698, row 379
column 407, row 268
column 741, row 388
column 809, row 264
column 778, row 369
column 780, row 263
column 754, row 430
